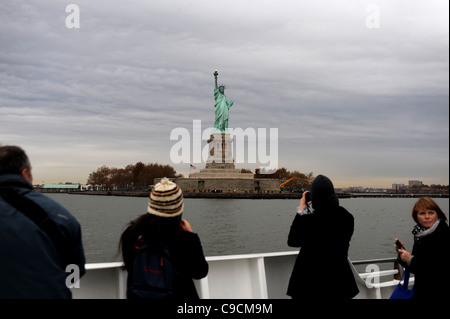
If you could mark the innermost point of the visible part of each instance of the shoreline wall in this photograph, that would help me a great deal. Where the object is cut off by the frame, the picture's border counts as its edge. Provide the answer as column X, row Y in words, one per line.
column 254, row 195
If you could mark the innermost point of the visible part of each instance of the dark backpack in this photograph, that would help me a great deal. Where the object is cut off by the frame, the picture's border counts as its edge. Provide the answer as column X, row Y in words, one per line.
column 153, row 272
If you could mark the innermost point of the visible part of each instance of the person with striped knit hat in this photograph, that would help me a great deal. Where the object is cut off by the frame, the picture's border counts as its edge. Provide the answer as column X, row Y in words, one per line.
column 163, row 226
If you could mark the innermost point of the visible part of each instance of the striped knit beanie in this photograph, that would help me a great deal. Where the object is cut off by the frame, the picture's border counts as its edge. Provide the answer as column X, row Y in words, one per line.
column 166, row 199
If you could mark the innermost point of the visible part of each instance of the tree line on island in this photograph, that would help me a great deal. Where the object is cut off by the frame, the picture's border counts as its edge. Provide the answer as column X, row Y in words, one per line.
column 131, row 176
column 142, row 175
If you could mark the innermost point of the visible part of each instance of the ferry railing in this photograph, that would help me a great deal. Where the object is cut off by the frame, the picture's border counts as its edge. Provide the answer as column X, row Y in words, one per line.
column 372, row 283
column 397, row 270
column 251, row 276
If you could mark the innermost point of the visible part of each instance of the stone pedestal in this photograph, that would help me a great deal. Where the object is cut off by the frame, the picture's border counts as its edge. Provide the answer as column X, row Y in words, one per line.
column 220, row 162
column 220, row 151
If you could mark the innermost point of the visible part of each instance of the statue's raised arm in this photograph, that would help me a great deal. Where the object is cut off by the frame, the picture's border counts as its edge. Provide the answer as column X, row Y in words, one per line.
column 215, row 78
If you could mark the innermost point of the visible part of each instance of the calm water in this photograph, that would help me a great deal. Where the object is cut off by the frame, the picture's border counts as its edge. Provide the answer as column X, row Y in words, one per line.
column 241, row 226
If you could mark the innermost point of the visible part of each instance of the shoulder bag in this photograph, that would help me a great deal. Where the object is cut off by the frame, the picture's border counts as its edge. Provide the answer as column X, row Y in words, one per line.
column 402, row 291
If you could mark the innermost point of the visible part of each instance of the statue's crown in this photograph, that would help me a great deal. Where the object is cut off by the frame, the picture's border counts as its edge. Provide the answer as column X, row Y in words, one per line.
column 222, row 86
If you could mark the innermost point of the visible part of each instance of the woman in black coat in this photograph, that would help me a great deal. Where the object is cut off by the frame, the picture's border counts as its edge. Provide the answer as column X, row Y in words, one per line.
column 162, row 227
column 429, row 259
column 321, row 270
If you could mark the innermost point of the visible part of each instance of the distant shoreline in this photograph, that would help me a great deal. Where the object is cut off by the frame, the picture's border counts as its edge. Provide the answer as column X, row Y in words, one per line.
column 236, row 195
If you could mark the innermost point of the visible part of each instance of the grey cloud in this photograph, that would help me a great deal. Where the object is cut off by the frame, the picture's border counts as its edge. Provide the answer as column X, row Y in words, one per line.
column 136, row 70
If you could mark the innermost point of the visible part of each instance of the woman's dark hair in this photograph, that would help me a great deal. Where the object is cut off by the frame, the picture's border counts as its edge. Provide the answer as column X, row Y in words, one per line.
column 154, row 229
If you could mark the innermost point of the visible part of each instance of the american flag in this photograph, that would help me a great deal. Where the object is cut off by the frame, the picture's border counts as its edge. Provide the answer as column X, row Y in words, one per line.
column 192, row 166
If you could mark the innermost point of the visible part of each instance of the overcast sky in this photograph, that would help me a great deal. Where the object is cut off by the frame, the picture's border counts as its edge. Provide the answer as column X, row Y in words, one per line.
column 358, row 90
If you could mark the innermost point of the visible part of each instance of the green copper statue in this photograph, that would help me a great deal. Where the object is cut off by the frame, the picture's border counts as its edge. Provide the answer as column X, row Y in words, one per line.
column 222, row 106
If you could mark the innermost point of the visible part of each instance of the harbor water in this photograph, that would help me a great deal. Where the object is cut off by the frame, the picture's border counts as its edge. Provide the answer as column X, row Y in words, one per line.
column 243, row 226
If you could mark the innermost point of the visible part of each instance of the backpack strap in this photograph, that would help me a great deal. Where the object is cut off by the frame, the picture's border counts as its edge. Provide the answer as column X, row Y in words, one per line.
column 39, row 216
column 141, row 245
column 139, row 242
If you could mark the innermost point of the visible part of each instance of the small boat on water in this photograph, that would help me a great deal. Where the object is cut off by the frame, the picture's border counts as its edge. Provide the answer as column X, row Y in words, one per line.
column 249, row 276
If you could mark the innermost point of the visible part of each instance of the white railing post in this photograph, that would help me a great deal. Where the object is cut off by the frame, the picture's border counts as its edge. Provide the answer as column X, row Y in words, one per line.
column 122, row 283
column 202, row 286
column 262, row 278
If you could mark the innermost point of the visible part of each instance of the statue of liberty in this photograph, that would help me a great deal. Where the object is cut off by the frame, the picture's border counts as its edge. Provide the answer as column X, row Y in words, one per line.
column 222, row 106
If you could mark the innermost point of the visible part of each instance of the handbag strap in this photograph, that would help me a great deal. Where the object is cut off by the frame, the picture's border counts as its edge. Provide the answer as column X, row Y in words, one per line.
column 405, row 278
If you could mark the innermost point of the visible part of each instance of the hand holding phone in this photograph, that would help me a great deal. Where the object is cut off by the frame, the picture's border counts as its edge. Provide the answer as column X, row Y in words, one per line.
column 185, row 225
column 307, row 197
column 304, row 201
column 399, row 245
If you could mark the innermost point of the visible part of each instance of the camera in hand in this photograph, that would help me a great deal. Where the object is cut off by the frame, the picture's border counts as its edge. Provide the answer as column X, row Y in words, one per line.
column 307, row 197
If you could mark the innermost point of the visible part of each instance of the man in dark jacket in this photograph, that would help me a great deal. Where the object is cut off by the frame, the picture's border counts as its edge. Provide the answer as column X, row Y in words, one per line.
column 321, row 270
column 38, row 237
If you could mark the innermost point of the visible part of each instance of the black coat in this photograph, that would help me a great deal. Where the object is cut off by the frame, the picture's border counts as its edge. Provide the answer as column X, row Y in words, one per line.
column 430, row 264
column 321, row 269
column 30, row 264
